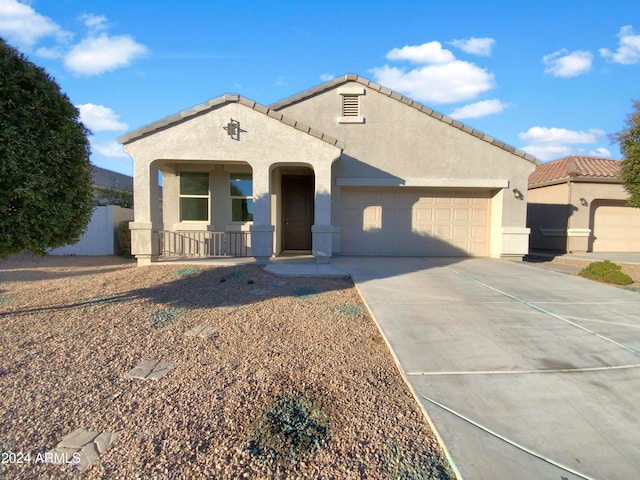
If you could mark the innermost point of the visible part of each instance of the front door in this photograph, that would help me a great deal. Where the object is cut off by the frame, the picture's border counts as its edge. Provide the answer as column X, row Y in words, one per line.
column 297, row 197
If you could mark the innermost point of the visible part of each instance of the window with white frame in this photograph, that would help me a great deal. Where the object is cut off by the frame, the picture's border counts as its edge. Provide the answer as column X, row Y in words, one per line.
column 351, row 104
column 241, row 191
column 194, row 197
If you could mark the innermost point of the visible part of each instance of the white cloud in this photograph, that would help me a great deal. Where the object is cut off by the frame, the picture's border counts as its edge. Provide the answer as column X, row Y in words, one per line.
column 110, row 149
column 22, row 25
column 53, row 52
column 547, row 136
column 103, row 53
column 479, row 109
column 600, row 152
column 438, row 78
column 95, row 23
column 325, row 77
column 99, row 118
column 431, row 52
column 475, row 46
column 565, row 64
column 452, row 82
column 551, row 143
column 628, row 51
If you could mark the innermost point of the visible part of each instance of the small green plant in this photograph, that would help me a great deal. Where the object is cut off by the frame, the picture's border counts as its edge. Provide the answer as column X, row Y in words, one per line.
column 124, row 239
column 606, row 271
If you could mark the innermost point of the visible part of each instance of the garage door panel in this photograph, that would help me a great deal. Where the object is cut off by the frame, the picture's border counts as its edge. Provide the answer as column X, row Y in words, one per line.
column 416, row 221
column 616, row 228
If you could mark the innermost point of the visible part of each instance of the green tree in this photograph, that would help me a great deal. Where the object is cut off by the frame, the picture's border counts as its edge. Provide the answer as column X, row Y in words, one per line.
column 629, row 140
column 46, row 197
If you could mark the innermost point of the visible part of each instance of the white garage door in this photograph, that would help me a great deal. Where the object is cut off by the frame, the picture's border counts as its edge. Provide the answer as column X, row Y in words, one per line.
column 616, row 228
column 414, row 221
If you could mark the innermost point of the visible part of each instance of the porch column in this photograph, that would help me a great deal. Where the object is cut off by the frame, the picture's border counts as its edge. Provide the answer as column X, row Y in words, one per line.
column 322, row 230
column 262, row 229
column 147, row 217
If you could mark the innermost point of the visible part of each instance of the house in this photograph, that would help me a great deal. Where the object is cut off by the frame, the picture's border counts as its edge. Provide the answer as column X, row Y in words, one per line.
column 113, row 194
column 110, row 187
column 346, row 168
column 578, row 204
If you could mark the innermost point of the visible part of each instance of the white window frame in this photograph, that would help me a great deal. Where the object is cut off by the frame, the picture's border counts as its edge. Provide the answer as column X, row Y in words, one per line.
column 348, row 95
column 181, row 196
column 239, row 197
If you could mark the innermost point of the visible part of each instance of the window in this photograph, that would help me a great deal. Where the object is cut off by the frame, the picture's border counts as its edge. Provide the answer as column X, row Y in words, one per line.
column 350, row 112
column 241, row 190
column 194, row 197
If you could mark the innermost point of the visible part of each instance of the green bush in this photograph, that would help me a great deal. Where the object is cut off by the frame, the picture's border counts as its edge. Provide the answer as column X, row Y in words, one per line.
column 606, row 272
column 124, row 239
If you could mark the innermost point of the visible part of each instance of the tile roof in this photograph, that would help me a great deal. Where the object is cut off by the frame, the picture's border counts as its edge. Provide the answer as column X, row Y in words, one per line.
column 352, row 77
column 108, row 179
column 573, row 167
column 217, row 102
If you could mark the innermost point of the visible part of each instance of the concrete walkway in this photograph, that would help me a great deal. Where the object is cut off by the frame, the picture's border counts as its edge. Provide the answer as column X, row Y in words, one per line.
column 526, row 373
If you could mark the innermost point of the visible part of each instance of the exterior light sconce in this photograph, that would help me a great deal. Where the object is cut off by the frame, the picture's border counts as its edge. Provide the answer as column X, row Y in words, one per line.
column 517, row 194
column 583, row 202
column 233, row 129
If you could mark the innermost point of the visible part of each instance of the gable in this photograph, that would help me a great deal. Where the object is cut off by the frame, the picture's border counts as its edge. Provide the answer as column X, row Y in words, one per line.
column 200, row 133
column 402, row 140
column 287, row 104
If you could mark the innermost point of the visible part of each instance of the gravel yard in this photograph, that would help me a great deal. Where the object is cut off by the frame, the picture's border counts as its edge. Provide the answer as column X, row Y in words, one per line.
column 295, row 383
column 574, row 266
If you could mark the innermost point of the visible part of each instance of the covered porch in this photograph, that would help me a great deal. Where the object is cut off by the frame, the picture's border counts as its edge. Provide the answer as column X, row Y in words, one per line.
column 264, row 190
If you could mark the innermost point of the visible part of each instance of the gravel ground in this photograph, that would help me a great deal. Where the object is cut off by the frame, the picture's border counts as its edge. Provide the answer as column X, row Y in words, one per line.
column 574, row 266
column 297, row 382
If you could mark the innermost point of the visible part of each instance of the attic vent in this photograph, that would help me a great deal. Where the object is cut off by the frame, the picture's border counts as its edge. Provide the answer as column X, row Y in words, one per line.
column 351, row 104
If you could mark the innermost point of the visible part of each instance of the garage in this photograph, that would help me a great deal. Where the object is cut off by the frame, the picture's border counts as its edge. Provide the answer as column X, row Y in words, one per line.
column 616, row 228
column 415, row 222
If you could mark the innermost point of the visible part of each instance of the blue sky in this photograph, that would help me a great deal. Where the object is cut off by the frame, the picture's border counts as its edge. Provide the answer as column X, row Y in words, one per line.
column 553, row 78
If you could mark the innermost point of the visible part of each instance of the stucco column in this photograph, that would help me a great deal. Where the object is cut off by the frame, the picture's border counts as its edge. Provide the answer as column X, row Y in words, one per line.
column 322, row 230
column 147, row 217
column 261, row 229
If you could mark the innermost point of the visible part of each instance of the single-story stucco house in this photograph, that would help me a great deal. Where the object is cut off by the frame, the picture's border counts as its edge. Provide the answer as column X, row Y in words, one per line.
column 578, row 204
column 346, row 168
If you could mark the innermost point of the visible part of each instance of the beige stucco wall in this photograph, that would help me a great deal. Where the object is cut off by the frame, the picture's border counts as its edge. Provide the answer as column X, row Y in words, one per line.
column 399, row 145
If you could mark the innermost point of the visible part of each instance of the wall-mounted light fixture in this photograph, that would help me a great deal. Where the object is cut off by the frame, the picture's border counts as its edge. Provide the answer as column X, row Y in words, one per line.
column 233, row 129
column 517, row 194
column 583, row 202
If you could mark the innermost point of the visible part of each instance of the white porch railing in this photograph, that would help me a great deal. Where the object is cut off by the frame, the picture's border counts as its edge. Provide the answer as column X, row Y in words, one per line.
column 204, row 244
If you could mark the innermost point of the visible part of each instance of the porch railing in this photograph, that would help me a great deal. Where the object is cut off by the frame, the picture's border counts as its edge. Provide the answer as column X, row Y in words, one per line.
column 204, row 244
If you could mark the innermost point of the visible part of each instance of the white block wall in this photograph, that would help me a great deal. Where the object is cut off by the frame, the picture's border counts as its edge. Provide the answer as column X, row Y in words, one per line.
column 100, row 238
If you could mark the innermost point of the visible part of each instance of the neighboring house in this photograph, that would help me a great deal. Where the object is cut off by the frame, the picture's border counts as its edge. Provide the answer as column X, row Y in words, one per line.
column 578, row 204
column 348, row 167
column 113, row 193
column 112, row 187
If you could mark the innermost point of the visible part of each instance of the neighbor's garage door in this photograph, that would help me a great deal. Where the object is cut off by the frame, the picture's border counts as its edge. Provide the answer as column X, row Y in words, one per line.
column 414, row 221
column 616, row 228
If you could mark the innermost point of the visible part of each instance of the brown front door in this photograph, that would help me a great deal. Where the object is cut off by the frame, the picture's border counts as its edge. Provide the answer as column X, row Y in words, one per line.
column 297, row 197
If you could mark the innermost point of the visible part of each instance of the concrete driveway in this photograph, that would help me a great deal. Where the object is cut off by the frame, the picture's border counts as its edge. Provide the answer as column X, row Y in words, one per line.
column 526, row 373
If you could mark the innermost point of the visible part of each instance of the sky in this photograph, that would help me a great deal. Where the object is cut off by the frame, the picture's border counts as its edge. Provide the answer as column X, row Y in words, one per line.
column 553, row 78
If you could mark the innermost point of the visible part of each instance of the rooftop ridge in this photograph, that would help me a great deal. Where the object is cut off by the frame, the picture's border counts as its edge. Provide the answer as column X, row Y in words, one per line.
column 351, row 77
column 215, row 103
